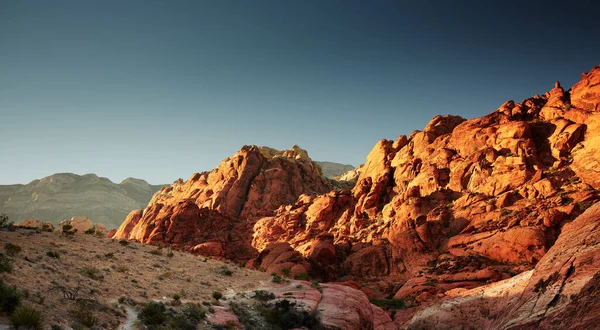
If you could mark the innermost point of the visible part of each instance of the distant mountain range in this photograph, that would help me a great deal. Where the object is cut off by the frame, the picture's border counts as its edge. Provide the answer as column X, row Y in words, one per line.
column 64, row 195
column 332, row 170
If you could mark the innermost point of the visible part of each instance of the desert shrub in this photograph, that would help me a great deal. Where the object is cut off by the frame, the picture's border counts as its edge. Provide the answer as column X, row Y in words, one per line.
column 12, row 249
column 217, row 295
column 5, row 264
column 582, row 206
column 224, row 270
column 122, row 269
column 243, row 315
column 153, row 313
column 83, row 314
column 157, row 252
column 263, row 295
column 317, row 286
column 4, row 220
column 53, row 254
column 90, row 272
column 188, row 318
column 286, row 271
column 388, row 303
column 302, row 276
column 109, row 255
column 285, row 316
column 26, row 317
column 123, row 242
column 9, row 298
column 90, row 231
column 170, row 254
column 504, row 212
column 276, row 278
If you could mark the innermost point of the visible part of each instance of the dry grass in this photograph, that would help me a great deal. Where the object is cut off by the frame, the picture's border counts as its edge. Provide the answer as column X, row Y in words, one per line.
column 101, row 271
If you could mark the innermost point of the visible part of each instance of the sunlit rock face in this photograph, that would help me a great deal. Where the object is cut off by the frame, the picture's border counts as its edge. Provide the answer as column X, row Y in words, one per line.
column 451, row 208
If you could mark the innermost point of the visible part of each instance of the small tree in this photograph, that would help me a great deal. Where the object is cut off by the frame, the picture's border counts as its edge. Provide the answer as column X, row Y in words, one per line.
column 4, row 220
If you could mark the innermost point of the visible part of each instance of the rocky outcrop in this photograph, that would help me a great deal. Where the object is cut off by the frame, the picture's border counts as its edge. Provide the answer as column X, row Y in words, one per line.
column 64, row 195
column 35, row 224
column 561, row 292
column 83, row 225
column 338, row 306
column 458, row 204
column 222, row 205
column 451, row 208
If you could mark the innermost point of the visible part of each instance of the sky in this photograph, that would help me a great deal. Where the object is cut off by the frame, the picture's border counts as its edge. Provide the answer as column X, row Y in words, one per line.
column 159, row 90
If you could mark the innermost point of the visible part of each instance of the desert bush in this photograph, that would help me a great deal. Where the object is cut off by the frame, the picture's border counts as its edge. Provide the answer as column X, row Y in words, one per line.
column 157, row 252
column 90, row 231
column 388, row 303
column 90, row 272
column 9, row 298
column 5, row 264
column 224, row 270
column 302, row 276
column 217, row 295
column 12, row 249
column 83, row 314
column 285, row 316
column 123, row 242
column 68, row 231
column 153, row 313
column 188, row 318
column 170, row 254
column 276, row 278
column 286, row 271
column 317, row 285
column 243, row 315
column 53, row 254
column 4, row 220
column 26, row 317
column 263, row 295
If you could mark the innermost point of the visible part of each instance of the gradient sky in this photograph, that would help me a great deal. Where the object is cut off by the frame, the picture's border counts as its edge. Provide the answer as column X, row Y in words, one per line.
column 161, row 89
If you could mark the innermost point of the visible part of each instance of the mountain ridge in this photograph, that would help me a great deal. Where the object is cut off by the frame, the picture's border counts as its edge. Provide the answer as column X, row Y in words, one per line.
column 63, row 195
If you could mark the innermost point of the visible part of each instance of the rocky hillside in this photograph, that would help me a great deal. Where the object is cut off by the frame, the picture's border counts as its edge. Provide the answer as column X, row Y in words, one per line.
column 458, row 205
column 212, row 212
column 64, row 195
column 90, row 282
column 331, row 170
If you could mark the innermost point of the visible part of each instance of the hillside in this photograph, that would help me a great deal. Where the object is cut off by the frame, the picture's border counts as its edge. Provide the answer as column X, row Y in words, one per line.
column 332, row 170
column 458, row 205
column 64, row 195
column 99, row 283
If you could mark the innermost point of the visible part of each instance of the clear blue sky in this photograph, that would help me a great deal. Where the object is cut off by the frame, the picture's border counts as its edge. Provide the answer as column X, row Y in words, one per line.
column 161, row 89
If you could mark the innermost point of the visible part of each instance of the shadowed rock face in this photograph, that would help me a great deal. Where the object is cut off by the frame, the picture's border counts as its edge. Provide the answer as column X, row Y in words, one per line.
column 456, row 206
column 64, row 195
column 561, row 292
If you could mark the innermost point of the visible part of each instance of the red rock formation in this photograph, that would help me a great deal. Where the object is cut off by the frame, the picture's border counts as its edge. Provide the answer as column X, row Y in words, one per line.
column 219, row 206
column 561, row 292
column 339, row 306
column 453, row 207
column 497, row 188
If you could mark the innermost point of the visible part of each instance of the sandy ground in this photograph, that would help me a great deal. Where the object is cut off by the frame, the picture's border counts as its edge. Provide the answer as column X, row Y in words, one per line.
column 135, row 271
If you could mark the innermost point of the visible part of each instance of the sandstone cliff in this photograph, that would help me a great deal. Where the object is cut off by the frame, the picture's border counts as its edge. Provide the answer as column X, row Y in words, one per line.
column 455, row 206
column 218, row 207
